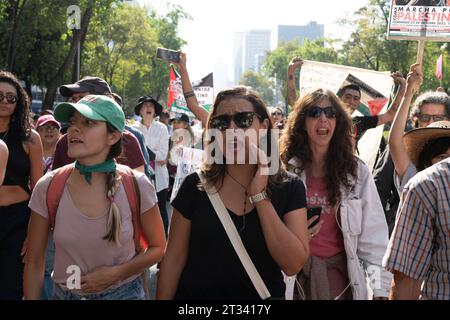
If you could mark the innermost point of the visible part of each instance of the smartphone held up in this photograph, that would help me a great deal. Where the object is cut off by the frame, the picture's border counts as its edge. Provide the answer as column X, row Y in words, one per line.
column 168, row 55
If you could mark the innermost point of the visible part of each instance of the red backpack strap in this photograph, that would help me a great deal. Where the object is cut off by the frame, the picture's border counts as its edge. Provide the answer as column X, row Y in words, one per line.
column 55, row 191
column 131, row 187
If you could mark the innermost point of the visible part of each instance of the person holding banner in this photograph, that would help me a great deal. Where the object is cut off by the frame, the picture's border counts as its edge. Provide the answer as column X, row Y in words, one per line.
column 267, row 213
column 351, row 96
column 316, row 145
column 428, row 108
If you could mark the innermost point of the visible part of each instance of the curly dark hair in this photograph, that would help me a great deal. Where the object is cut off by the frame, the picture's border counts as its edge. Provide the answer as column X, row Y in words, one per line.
column 20, row 122
column 341, row 163
column 215, row 172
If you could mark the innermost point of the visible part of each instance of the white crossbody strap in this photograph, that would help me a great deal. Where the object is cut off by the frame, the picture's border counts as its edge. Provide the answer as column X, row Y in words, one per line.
column 236, row 240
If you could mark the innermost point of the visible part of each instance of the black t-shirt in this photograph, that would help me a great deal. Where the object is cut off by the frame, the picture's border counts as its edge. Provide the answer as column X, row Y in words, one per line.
column 213, row 270
column 363, row 123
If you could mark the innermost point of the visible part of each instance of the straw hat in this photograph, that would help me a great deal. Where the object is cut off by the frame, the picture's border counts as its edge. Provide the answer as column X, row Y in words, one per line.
column 416, row 139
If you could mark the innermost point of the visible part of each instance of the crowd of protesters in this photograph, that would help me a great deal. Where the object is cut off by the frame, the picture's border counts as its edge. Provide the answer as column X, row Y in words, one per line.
column 84, row 214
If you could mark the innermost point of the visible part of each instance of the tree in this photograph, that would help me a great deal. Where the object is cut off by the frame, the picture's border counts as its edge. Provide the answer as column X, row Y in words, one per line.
column 369, row 48
column 121, row 47
column 277, row 61
column 259, row 83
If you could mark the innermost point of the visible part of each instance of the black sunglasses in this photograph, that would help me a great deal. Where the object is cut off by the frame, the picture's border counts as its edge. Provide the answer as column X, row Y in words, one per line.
column 316, row 112
column 9, row 98
column 242, row 120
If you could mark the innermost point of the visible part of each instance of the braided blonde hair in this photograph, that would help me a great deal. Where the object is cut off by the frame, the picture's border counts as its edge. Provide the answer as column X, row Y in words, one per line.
column 114, row 220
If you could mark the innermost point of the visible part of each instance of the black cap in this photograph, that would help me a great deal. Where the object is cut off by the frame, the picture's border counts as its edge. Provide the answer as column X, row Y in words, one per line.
column 181, row 117
column 158, row 106
column 93, row 85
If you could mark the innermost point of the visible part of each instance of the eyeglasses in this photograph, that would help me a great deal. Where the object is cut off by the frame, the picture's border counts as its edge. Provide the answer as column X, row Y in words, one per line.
column 316, row 112
column 9, row 98
column 277, row 114
column 242, row 120
column 428, row 117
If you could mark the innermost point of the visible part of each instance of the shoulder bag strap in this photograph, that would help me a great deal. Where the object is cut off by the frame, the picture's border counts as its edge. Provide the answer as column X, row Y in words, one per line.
column 235, row 239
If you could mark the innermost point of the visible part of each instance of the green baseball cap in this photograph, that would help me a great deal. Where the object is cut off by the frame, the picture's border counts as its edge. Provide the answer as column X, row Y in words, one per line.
column 94, row 107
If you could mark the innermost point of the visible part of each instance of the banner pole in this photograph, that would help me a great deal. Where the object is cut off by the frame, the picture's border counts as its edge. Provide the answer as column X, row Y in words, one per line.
column 420, row 50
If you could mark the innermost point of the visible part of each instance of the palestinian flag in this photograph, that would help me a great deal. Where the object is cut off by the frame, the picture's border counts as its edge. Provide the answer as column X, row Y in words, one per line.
column 203, row 89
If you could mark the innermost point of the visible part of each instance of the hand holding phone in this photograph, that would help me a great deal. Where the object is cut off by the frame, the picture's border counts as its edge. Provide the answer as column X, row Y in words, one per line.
column 311, row 212
column 168, row 55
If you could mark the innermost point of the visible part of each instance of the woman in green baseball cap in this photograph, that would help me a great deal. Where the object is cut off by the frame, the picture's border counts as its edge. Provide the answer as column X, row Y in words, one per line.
column 94, row 230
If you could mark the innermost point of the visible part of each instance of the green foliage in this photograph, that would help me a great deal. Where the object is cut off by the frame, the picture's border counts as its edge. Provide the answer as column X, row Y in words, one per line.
column 260, row 84
column 120, row 44
column 277, row 61
column 121, row 48
column 369, row 48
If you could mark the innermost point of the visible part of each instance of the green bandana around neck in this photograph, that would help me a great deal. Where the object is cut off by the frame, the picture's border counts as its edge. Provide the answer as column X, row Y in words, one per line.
column 107, row 166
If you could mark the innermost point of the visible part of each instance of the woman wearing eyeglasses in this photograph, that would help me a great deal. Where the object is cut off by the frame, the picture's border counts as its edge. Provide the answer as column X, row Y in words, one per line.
column 429, row 107
column 268, row 212
column 23, row 170
column 352, row 238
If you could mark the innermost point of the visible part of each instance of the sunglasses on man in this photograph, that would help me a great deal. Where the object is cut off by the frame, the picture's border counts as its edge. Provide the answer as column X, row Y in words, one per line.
column 243, row 120
column 316, row 112
column 10, row 98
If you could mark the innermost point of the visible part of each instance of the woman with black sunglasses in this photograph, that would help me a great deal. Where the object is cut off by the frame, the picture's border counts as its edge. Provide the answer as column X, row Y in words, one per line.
column 23, row 170
column 268, row 212
column 352, row 237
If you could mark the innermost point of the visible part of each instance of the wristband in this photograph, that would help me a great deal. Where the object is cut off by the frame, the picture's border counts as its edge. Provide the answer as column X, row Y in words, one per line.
column 188, row 94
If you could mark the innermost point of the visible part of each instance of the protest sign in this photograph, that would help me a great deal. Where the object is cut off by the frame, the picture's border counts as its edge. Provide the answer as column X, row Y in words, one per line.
column 189, row 161
column 419, row 20
column 325, row 75
column 203, row 89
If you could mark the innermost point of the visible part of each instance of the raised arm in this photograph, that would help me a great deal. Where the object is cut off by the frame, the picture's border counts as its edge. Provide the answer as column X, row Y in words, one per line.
column 291, row 93
column 389, row 115
column 396, row 146
column 189, row 95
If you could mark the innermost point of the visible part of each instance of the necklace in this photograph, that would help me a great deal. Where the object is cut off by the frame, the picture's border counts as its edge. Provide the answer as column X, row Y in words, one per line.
column 4, row 135
column 245, row 201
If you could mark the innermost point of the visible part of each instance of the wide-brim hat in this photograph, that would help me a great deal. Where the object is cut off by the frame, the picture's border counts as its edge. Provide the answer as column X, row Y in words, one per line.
column 416, row 139
column 158, row 106
column 94, row 107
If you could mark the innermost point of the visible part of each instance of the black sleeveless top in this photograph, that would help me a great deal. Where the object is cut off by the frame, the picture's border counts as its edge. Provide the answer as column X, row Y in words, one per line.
column 18, row 167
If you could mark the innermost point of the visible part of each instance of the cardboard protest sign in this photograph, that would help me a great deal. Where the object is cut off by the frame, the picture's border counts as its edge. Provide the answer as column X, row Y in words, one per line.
column 190, row 160
column 331, row 76
column 419, row 20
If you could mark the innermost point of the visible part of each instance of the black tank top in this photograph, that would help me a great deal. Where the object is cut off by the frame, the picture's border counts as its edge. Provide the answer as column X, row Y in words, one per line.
column 18, row 167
